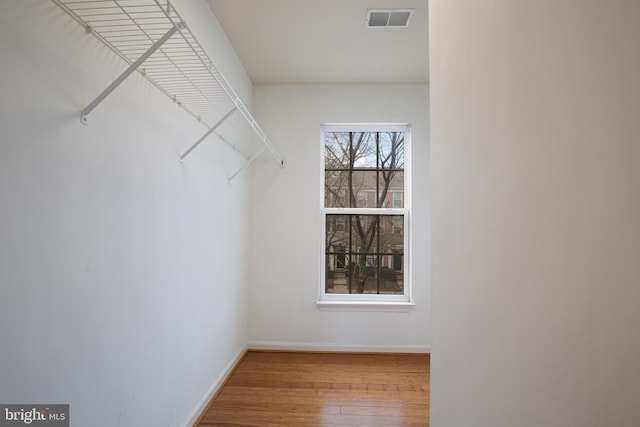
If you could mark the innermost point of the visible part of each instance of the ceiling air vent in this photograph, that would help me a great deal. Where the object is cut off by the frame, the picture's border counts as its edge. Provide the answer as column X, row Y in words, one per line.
column 389, row 18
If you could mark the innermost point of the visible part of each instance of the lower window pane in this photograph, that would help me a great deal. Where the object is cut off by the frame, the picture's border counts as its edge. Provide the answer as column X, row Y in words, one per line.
column 364, row 254
column 392, row 274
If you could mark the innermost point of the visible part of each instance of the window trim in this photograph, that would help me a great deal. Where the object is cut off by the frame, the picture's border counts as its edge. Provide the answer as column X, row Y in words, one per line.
column 367, row 302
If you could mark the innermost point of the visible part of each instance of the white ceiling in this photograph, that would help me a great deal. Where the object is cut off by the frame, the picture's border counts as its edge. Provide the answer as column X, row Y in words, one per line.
column 325, row 41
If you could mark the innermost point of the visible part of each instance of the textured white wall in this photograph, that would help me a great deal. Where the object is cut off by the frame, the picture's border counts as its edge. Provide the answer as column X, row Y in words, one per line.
column 123, row 273
column 535, row 117
column 286, row 220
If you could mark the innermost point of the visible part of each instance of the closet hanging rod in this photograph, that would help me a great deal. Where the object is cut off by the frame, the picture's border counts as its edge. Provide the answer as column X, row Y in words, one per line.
column 134, row 66
column 155, row 41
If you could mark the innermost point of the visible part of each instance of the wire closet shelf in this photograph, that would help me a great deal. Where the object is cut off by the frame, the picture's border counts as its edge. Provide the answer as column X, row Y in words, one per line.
column 154, row 40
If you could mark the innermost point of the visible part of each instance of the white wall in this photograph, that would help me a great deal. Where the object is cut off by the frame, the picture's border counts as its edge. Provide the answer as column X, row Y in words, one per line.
column 285, row 218
column 535, row 117
column 123, row 273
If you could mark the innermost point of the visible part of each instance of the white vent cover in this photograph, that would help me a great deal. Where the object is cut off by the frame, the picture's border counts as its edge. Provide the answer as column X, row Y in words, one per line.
column 388, row 18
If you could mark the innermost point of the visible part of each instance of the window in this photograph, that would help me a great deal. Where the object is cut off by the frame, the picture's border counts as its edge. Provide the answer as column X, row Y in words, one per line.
column 398, row 227
column 362, row 199
column 364, row 213
column 340, row 258
column 397, row 199
column 397, row 262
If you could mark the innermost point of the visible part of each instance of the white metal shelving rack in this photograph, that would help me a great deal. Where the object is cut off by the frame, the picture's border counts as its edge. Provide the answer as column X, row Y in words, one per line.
column 154, row 40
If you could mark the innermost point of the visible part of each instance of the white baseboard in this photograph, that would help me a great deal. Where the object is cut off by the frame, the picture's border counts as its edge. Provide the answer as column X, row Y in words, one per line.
column 217, row 384
column 296, row 346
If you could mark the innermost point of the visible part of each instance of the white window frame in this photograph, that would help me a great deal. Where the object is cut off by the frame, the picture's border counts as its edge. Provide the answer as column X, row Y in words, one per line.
column 381, row 302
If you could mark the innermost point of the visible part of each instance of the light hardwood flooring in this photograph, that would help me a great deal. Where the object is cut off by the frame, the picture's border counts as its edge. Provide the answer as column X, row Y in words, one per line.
column 323, row 389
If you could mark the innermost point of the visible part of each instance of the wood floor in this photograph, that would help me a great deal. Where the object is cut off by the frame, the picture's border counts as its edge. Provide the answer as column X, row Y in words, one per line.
column 324, row 389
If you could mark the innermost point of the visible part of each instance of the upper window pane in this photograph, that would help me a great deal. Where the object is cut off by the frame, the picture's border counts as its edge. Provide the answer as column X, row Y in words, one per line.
column 349, row 150
column 391, row 150
column 364, row 149
column 336, row 151
column 336, row 184
column 364, row 169
column 391, row 187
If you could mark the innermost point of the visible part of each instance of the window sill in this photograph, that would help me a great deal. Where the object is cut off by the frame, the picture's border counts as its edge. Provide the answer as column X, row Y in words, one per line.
column 365, row 306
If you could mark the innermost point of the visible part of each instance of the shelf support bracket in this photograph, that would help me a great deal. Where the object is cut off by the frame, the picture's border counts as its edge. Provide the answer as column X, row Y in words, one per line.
column 89, row 108
column 247, row 163
column 209, row 132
